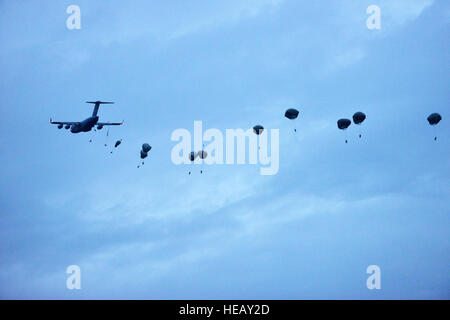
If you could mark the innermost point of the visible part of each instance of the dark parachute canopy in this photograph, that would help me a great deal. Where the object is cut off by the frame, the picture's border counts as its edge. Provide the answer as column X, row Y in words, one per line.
column 291, row 114
column 258, row 129
column 343, row 123
column 359, row 117
column 434, row 118
column 146, row 147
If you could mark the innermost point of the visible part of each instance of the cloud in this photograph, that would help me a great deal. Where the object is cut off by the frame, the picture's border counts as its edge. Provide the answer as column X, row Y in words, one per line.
column 225, row 13
column 343, row 59
column 400, row 12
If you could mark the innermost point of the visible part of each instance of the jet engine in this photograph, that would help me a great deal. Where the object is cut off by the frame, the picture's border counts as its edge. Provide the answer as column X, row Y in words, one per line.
column 67, row 126
column 99, row 127
column 60, row 126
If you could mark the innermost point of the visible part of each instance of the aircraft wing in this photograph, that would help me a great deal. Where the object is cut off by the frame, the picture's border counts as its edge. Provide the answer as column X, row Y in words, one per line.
column 62, row 122
column 109, row 123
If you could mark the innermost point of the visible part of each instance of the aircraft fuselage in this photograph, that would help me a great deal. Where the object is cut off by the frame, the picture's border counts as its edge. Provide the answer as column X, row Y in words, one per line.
column 85, row 125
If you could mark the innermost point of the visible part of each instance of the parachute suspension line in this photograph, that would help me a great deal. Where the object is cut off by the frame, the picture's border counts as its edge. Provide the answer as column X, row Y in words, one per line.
column 106, row 139
column 361, row 131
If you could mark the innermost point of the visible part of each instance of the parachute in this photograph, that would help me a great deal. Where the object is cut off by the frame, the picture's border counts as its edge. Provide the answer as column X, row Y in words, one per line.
column 258, row 129
column 202, row 154
column 146, row 147
column 118, row 142
column 433, row 119
column 343, row 124
column 144, row 151
column 359, row 118
column 192, row 156
column 291, row 114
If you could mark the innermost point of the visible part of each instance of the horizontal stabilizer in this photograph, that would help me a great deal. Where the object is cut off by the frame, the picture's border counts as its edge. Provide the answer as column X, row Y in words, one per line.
column 100, row 102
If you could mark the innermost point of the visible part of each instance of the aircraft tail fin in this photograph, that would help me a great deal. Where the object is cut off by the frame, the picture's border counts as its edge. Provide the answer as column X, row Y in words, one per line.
column 97, row 105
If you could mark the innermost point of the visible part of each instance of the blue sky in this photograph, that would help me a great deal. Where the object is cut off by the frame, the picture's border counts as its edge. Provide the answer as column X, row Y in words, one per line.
column 308, row 232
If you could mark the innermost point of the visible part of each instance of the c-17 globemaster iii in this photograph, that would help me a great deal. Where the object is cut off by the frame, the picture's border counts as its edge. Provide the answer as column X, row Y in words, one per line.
column 88, row 123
